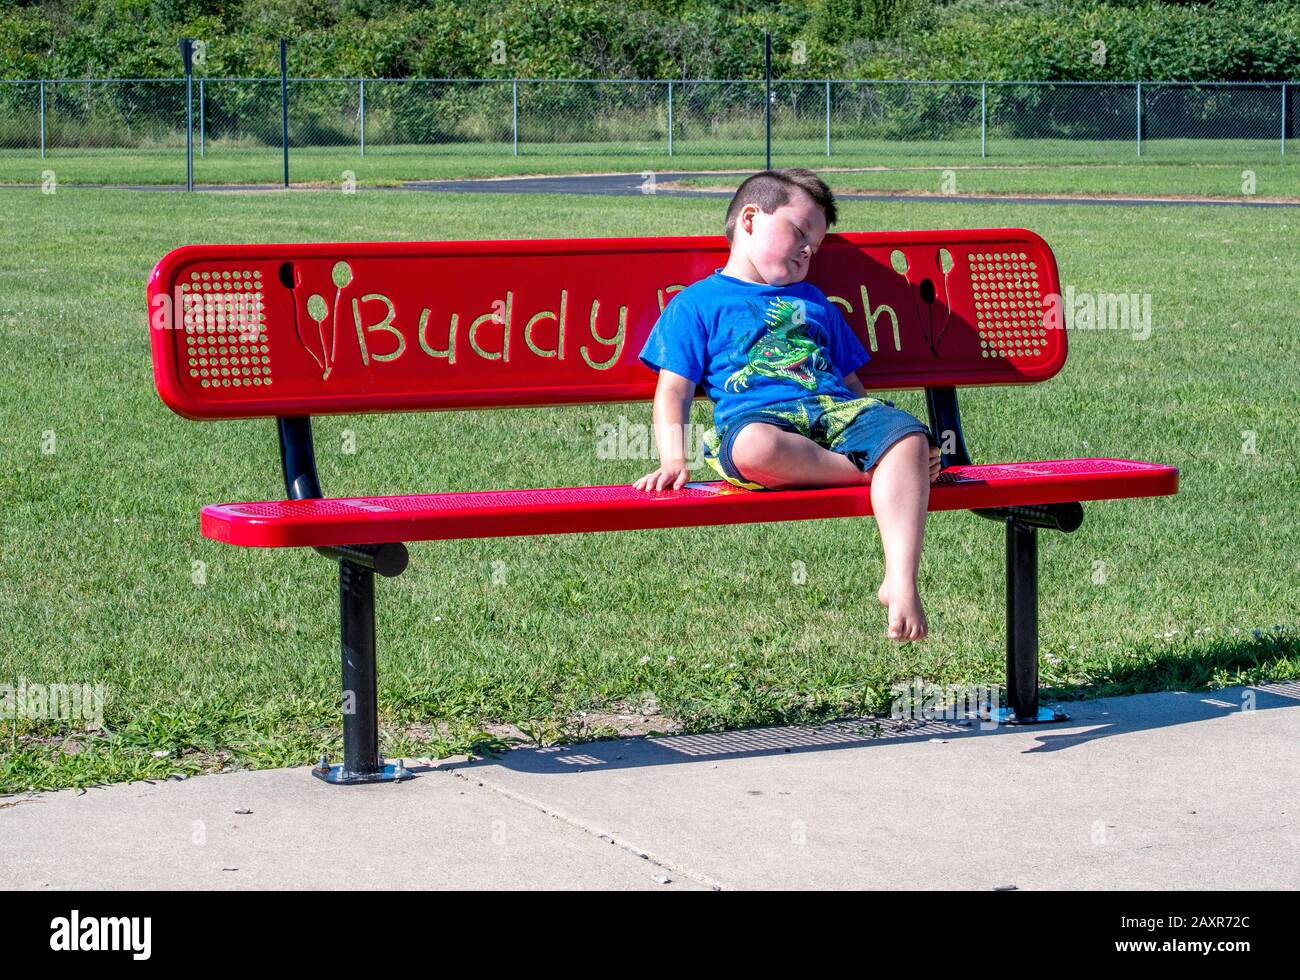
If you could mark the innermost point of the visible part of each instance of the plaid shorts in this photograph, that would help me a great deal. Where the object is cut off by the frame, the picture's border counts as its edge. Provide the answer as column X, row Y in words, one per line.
column 860, row 428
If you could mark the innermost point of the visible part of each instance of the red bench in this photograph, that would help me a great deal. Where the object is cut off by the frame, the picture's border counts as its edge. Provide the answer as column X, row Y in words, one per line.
column 292, row 331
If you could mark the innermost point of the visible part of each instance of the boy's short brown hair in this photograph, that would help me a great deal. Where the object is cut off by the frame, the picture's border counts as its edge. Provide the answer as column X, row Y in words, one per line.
column 770, row 189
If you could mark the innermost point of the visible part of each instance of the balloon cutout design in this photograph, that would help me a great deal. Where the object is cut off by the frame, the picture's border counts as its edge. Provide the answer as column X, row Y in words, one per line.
column 319, row 311
column 928, row 296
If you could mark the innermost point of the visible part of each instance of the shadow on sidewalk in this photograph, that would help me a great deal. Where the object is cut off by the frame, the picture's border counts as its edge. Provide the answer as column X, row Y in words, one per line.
column 1089, row 720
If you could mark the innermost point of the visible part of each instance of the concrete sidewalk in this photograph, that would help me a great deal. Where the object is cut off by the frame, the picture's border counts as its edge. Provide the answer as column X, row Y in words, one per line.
column 1177, row 791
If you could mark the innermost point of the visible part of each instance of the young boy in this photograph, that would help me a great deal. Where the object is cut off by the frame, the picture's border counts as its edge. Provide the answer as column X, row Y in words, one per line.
column 779, row 361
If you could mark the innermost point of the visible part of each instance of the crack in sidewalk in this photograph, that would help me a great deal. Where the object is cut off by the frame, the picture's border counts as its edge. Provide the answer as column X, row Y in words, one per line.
column 588, row 828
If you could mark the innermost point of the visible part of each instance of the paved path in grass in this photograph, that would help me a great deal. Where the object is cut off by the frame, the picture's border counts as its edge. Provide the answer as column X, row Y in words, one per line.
column 1164, row 791
column 635, row 184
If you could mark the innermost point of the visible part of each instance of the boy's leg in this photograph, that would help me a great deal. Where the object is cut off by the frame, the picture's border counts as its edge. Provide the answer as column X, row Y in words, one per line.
column 900, row 496
column 784, row 460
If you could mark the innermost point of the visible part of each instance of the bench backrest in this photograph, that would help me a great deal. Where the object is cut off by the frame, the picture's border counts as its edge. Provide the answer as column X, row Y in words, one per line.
column 241, row 331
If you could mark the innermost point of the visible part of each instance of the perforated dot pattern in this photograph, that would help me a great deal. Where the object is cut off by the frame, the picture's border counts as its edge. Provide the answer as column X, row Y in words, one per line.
column 225, row 328
column 581, row 497
column 457, row 502
column 1008, row 304
column 1046, row 468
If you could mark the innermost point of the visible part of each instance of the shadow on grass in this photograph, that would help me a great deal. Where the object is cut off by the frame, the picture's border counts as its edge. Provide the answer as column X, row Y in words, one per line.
column 202, row 737
column 1190, row 687
column 1172, row 667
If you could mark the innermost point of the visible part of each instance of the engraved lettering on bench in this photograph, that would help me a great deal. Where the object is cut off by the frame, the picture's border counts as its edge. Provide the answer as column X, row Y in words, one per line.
column 319, row 313
column 616, row 341
column 385, row 324
column 494, row 317
column 675, row 288
column 872, row 315
column 558, row 352
column 450, row 352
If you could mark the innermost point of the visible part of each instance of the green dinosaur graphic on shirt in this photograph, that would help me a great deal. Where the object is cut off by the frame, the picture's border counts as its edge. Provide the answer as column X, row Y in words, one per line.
column 784, row 351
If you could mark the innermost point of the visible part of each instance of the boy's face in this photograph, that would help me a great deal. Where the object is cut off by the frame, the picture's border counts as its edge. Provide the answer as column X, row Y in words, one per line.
column 780, row 246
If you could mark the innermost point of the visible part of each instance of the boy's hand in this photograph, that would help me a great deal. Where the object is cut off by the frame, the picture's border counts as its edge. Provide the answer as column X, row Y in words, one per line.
column 669, row 476
column 935, row 462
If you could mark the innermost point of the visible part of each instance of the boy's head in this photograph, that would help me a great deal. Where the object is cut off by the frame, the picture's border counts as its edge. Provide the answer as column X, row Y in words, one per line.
column 776, row 222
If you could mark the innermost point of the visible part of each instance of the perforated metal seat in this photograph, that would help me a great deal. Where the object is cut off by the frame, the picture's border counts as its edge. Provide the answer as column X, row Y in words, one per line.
column 568, row 510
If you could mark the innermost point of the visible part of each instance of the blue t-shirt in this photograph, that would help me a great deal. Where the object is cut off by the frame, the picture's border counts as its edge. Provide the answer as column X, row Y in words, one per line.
column 753, row 344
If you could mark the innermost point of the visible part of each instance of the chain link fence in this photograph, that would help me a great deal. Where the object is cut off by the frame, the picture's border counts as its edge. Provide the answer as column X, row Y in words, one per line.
column 135, row 130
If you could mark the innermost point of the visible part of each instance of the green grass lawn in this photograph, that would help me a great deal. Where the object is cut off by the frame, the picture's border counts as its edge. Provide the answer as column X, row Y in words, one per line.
column 1167, row 167
column 695, row 628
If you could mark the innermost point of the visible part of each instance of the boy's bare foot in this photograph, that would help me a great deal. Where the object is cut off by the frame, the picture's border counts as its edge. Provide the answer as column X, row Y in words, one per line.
column 906, row 617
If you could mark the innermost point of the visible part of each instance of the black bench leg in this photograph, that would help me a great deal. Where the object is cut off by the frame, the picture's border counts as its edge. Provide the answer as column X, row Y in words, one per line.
column 362, row 762
column 1022, row 629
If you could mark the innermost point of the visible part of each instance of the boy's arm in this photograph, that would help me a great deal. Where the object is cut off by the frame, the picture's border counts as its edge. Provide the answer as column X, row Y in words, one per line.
column 854, row 384
column 674, row 395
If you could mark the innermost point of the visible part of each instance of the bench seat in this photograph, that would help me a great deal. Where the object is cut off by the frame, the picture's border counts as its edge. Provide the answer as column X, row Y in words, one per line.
column 504, row 513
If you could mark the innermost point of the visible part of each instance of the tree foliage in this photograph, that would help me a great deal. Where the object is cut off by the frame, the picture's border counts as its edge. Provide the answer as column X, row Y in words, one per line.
column 937, row 39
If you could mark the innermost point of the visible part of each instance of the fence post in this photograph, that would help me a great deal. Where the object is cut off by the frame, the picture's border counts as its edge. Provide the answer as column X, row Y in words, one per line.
column 828, row 117
column 767, row 94
column 984, row 118
column 284, row 105
column 1284, row 118
column 516, row 114
column 670, row 117
column 42, row 119
column 200, row 117
column 1139, row 117
column 363, row 117
column 187, row 59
